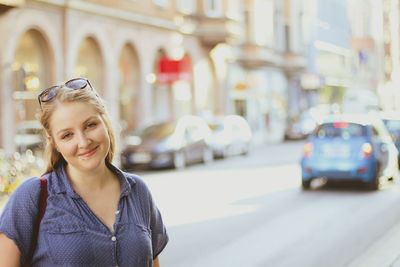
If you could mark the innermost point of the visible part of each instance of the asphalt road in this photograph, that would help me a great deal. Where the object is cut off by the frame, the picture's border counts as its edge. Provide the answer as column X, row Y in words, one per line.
column 250, row 211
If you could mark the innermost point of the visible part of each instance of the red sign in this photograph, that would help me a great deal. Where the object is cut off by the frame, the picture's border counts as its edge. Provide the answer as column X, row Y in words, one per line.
column 170, row 70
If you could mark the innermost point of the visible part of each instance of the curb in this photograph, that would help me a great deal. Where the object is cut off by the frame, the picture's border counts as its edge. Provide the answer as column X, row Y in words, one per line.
column 383, row 253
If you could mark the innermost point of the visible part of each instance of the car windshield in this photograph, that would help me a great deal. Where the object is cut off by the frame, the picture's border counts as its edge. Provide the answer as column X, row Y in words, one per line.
column 156, row 131
column 340, row 129
column 392, row 125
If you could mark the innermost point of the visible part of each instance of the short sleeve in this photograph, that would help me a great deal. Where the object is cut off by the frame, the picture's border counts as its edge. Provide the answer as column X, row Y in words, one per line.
column 158, row 231
column 18, row 216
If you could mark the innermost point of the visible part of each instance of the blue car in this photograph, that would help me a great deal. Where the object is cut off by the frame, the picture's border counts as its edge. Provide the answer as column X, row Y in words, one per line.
column 350, row 147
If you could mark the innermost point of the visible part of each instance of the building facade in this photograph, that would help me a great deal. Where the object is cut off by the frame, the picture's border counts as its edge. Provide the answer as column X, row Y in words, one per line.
column 150, row 60
column 385, row 35
column 329, row 55
column 154, row 60
column 269, row 61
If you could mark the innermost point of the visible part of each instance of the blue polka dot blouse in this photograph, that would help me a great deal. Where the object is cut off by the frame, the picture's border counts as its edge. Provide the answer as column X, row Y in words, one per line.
column 72, row 235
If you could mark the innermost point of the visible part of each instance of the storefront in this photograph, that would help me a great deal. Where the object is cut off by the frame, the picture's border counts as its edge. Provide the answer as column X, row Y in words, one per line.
column 260, row 96
column 139, row 81
column 173, row 90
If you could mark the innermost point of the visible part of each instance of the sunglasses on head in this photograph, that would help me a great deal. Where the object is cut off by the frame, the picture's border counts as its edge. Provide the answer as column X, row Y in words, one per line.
column 74, row 84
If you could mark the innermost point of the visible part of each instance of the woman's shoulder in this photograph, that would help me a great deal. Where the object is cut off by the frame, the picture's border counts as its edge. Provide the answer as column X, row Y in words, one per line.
column 137, row 184
column 24, row 199
column 29, row 187
column 134, row 179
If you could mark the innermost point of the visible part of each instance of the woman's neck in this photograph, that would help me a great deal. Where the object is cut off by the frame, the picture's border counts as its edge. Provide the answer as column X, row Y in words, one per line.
column 93, row 180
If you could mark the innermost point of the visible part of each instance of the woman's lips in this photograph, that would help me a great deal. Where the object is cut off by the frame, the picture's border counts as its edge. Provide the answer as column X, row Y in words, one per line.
column 89, row 153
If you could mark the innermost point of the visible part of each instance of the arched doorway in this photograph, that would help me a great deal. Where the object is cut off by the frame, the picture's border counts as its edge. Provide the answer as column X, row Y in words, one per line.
column 173, row 89
column 182, row 87
column 129, row 89
column 89, row 64
column 32, row 69
column 162, row 95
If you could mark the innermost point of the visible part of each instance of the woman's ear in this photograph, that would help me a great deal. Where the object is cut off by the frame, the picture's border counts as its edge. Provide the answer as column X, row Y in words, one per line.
column 50, row 140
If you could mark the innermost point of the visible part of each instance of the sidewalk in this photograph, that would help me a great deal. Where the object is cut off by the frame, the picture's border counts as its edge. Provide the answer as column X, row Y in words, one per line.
column 385, row 252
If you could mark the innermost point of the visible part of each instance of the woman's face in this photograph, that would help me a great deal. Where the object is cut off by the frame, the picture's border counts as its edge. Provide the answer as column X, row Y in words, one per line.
column 80, row 135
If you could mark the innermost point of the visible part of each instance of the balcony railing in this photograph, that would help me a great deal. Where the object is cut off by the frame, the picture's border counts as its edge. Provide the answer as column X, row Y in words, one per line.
column 12, row 3
column 293, row 62
column 8, row 4
column 252, row 55
column 215, row 30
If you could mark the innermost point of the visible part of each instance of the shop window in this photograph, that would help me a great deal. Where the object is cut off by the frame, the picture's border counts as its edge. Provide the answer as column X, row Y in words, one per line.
column 235, row 8
column 213, row 8
column 240, row 107
column 264, row 23
column 186, row 6
column 161, row 3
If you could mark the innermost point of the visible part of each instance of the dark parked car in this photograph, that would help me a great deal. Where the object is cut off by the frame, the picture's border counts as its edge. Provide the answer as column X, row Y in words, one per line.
column 350, row 148
column 231, row 135
column 392, row 123
column 168, row 144
column 300, row 127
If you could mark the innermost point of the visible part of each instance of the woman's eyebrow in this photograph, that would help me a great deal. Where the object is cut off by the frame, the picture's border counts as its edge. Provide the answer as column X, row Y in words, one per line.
column 91, row 117
column 62, row 130
column 85, row 121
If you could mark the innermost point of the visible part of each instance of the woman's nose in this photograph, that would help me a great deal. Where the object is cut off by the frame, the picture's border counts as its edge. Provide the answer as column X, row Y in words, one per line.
column 83, row 140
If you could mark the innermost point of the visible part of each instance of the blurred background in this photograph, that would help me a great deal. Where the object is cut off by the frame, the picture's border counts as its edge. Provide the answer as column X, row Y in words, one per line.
column 205, row 81
column 272, row 62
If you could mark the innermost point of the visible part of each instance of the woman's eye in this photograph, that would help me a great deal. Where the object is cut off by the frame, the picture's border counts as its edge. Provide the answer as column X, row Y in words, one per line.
column 65, row 136
column 91, row 124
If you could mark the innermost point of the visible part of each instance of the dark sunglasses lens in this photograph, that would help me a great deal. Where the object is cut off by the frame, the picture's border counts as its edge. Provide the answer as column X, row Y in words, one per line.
column 48, row 94
column 77, row 84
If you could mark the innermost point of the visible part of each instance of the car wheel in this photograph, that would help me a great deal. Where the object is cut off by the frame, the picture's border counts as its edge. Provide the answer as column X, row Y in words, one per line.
column 374, row 184
column 395, row 174
column 306, row 184
column 208, row 156
column 179, row 160
column 245, row 150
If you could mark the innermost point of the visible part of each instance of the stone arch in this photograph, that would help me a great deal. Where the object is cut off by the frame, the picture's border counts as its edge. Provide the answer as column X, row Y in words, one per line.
column 88, row 33
column 32, row 71
column 162, row 97
column 129, row 87
column 12, row 30
column 89, row 63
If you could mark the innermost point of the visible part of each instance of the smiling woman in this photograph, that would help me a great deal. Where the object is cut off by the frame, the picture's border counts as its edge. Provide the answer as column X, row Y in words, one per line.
column 91, row 205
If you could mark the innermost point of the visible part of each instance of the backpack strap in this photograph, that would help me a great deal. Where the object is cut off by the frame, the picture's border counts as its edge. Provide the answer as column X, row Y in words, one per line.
column 42, row 209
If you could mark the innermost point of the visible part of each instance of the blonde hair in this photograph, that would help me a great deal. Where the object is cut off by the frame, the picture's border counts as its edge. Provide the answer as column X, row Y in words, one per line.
column 66, row 94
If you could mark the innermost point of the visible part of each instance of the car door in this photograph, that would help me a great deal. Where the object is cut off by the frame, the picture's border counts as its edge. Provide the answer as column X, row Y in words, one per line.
column 392, row 152
column 194, row 142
